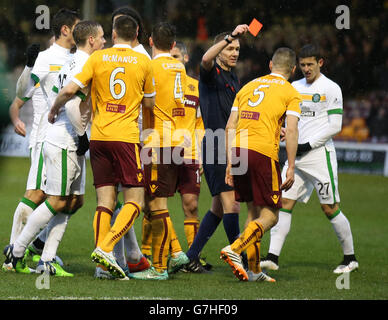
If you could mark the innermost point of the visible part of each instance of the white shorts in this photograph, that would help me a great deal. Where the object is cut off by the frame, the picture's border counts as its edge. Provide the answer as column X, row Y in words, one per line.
column 316, row 169
column 65, row 171
column 37, row 175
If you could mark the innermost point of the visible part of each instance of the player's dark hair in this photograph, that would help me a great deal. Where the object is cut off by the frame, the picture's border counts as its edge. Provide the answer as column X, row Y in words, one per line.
column 182, row 47
column 125, row 27
column 219, row 37
column 83, row 30
column 310, row 50
column 163, row 36
column 128, row 11
column 64, row 17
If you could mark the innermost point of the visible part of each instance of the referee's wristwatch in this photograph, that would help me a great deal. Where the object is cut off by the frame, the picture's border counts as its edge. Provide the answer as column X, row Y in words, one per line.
column 226, row 38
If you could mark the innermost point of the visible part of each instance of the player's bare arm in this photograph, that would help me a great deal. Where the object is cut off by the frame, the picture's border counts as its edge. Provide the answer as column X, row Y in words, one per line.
column 64, row 95
column 208, row 58
column 19, row 125
column 291, row 148
column 229, row 129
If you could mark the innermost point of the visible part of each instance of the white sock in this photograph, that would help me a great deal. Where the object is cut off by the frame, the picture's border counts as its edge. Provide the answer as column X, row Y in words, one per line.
column 118, row 250
column 132, row 247
column 279, row 232
column 342, row 229
column 22, row 212
column 37, row 221
column 55, row 230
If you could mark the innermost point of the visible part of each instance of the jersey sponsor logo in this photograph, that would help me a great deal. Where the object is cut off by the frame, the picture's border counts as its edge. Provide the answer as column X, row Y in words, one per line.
column 191, row 101
column 169, row 65
column 275, row 198
column 115, row 108
column 118, row 58
column 251, row 115
column 306, row 112
column 178, row 112
column 139, row 177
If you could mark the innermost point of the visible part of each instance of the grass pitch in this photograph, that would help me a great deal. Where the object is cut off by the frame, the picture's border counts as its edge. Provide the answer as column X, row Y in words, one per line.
column 309, row 255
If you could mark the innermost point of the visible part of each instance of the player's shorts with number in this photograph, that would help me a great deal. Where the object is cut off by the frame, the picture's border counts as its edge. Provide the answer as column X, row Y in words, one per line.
column 65, row 171
column 189, row 178
column 317, row 170
column 37, row 175
column 116, row 162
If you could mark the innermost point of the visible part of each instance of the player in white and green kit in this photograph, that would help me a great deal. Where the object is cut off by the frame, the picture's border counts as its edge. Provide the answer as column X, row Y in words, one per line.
column 316, row 162
column 44, row 75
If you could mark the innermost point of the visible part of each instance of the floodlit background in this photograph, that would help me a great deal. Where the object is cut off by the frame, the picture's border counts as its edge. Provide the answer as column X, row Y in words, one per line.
column 356, row 58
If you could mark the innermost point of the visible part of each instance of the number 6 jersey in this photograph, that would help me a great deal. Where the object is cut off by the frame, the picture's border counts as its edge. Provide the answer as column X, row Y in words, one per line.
column 120, row 79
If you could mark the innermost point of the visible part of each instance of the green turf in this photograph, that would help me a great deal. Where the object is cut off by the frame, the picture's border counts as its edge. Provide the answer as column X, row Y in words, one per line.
column 310, row 253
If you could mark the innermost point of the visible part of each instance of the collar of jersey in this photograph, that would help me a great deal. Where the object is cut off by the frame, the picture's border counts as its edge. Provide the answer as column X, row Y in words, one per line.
column 122, row 45
column 166, row 54
column 58, row 47
column 81, row 53
column 277, row 75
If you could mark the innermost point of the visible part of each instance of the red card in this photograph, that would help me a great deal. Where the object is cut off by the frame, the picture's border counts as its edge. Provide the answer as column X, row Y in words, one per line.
column 255, row 27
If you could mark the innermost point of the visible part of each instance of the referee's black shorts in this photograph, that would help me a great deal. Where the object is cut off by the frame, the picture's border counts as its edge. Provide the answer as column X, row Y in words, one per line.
column 215, row 178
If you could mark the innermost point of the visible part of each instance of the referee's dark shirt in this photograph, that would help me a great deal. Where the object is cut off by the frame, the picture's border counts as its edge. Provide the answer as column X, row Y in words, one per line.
column 217, row 90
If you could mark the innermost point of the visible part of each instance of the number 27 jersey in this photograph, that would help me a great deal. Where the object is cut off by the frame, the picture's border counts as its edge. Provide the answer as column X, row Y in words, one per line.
column 120, row 77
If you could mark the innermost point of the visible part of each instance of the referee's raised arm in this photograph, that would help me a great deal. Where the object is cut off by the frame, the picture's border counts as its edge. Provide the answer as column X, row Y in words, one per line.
column 209, row 56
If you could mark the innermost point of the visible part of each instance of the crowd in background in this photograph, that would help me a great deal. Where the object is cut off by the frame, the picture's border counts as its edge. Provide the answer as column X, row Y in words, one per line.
column 355, row 58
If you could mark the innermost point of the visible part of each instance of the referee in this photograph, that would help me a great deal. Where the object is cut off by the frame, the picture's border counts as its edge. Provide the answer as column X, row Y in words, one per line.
column 218, row 85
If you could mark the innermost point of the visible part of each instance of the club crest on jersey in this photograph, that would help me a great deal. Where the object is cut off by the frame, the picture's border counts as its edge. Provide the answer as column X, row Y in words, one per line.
column 316, row 97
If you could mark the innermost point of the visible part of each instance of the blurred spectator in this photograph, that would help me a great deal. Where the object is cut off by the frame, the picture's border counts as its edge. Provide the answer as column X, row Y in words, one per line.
column 378, row 126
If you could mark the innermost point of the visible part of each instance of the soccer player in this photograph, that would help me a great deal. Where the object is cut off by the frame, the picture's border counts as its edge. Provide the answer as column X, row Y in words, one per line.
column 162, row 148
column 316, row 163
column 218, row 85
column 121, row 80
column 65, row 163
column 258, row 113
column 189, row 180
column 43, row 75
column 127, row 251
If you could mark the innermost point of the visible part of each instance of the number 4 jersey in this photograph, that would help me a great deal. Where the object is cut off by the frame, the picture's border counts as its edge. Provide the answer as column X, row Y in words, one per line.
column 120, row 79
column 170, row 84
column 262, row 105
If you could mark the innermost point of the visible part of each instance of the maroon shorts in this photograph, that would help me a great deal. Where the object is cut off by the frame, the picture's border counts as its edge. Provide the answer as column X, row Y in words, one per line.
column 261, row 183
column 161, row 176
column 116, row 162
column 189, row 179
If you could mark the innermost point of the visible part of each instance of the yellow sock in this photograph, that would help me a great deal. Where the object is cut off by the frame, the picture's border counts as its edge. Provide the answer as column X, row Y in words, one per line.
column 101, row 224
column 124, row 221
column 146, row 236
column 253, row 255
column 175, row 246
column 191, row 229
column 252, row 233
column 161, row 236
